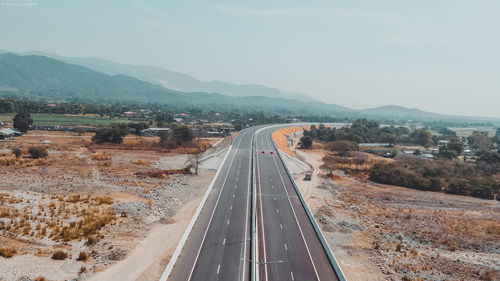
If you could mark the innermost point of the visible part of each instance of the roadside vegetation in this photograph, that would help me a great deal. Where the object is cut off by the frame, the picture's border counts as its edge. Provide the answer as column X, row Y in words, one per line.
column 476, row 176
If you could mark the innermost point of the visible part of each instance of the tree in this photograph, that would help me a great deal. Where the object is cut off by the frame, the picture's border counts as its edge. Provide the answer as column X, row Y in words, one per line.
column 421, row 136
column 182, row 134
column 194, row 161
column 163, row 117
column 342, row 146
column 490, row 157
column 238, row 127
column 6, row 106
column 306, row 142
column 115, row 134
column 453, row 149
column 136, row 128
column 22, row 122
column 480, row 141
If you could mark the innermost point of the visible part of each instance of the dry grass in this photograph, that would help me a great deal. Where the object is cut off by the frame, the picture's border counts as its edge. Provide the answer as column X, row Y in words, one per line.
column 101, row 156
column 82, row 270
column 60, row 218
column 141, row 162
column 7, row 252
column 428, row 223
column 49, row 205
column 104, row 200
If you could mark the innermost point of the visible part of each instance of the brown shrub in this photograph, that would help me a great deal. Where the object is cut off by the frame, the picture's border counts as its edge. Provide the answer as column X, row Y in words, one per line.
column 82, row 270
column 83, row 256
column 59, row 255
column 7, row 252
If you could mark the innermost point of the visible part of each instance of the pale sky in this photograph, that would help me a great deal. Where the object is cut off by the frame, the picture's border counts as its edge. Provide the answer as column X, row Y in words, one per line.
column 436, row 55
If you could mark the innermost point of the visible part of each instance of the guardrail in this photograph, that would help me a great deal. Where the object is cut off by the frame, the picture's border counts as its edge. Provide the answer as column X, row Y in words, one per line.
column 324, row 243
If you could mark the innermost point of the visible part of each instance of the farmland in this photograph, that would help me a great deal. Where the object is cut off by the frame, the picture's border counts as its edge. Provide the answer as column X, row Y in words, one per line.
column 67, row 119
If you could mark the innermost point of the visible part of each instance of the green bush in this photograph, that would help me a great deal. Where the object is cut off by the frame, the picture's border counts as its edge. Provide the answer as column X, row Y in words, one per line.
column 180, row 135
column 306, row 142
column 482, row 188
column 342, row 146
column 38, row 152
column 395, row 174
column 113, row 134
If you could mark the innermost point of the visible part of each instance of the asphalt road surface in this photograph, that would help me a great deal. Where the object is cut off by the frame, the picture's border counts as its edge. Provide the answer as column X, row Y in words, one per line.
column 218, row 247
column 288, row 245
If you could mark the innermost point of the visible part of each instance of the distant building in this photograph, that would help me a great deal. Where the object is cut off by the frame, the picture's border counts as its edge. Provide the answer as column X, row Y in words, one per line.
column 146, row 111
column 376, row 144
column 9, row 133
column 443, row 143
column 130, row 113
column 154, row 131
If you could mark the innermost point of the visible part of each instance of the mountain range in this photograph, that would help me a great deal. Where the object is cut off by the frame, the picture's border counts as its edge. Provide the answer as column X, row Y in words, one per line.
column 38, row 76
column 173, row 80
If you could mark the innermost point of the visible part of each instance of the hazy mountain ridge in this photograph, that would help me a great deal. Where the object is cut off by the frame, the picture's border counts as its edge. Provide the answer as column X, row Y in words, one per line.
column 401, row 111
column 173, row 80
column 40, row 77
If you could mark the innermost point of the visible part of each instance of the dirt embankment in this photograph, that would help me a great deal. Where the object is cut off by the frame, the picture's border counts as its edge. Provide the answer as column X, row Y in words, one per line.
column 380, row 232
column 105, row 208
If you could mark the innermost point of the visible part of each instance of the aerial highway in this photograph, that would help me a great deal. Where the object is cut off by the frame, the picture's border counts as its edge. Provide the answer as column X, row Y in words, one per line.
column 289, row 246
column 218, row 247
column 252, row 224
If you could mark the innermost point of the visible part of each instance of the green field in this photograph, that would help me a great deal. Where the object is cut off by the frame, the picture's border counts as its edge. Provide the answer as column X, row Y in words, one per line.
column 67, row 119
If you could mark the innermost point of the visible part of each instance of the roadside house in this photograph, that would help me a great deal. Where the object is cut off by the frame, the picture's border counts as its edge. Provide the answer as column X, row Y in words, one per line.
column 9, row 133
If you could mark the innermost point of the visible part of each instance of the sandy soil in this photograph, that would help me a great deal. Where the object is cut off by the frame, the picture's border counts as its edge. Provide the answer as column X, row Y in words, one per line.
column 380, row 232
column 315, row 199
column 151, row 256
column 148, row 214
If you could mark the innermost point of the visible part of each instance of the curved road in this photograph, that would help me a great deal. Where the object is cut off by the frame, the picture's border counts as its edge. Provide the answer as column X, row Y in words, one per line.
column 218, row 247
column 287, row 239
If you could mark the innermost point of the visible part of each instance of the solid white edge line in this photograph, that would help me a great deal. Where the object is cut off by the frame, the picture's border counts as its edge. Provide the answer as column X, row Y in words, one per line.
column 175, row 256
column 296, row 220
column 213, row 212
